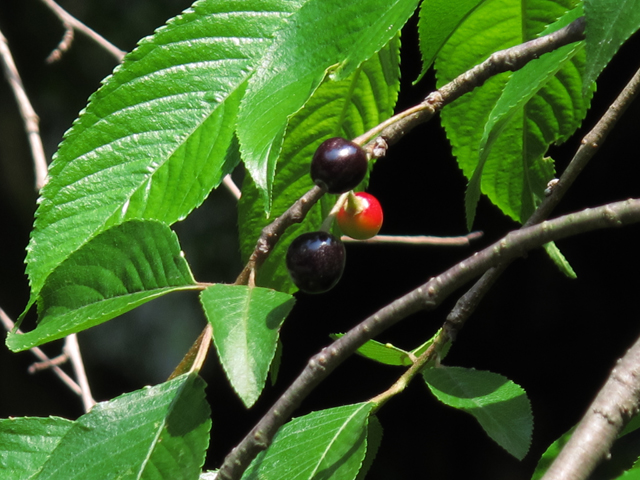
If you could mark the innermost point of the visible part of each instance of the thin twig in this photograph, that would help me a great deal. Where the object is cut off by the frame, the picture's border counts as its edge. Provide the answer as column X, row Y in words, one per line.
column 425, row 297
column 462, row 240
column 70, row 22
column 39, row 366
column 66, row 379
column 29, row 117
column 272, row 232
column 72, row 349
column 232, row 187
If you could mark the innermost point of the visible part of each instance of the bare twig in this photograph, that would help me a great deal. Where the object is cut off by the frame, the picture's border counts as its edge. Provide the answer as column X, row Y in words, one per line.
column 425, row 297
column 39, row 366
column 28, row 114
column 463, row 240
column 72, row 349
column 71, row 23
column 66, row 379
column 232, row 187
column 616, row 403
column 30, row 119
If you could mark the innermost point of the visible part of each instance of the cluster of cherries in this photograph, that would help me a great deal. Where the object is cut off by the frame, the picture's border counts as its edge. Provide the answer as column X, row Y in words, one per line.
column 316, row 260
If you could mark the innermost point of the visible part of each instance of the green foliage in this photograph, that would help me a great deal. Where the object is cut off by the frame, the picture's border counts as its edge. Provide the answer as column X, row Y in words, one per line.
column 501, row 131
column 434, row 34
column 261, row 83
column 303, row 52
column 116, row 271
column 344, row 108
column 26, row 443
column 388, row 354
column 157, row 429
column 609, row 24
column 499, row 405
column 152, row 141
column 246, row 322
column 329, row 444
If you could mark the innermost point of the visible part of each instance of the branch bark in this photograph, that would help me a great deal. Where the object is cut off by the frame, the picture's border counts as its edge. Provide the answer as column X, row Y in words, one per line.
column 616, row 403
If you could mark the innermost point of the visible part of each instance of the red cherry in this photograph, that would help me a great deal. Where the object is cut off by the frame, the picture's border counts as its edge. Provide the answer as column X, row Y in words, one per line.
column 361, row 216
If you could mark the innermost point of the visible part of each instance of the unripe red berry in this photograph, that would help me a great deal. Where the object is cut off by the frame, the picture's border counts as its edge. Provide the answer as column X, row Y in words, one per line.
column 361, row 216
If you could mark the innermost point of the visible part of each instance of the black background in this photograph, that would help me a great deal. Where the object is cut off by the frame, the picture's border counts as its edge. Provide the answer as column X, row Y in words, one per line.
column 556, row 337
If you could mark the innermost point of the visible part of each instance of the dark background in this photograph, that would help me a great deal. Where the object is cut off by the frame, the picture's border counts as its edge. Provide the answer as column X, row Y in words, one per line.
column 556, row 337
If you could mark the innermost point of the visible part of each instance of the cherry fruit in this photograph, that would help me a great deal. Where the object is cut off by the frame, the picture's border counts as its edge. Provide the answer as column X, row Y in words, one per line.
column 338, row 165
column 315, row 261
column 361, row 216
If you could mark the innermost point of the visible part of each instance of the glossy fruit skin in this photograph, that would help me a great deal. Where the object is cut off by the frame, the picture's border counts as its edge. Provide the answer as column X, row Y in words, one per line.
column 360, row 217
column 338, row 165
column 315, row 261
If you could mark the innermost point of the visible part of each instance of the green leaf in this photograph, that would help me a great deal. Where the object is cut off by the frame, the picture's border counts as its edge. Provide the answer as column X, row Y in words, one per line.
column 152, row 141
column 329, row 444
column 26, row 443
column 374, row 439
column 500, row 406
column 438, row 20
column 632, row 474
column 383, row 353
column 521, row 87
column 123, row 267
column 609, row 23
column 156, row 432
column 512, row 136
column 345, row 108
column 246, row 324
column 310, row 45
column 558, row 258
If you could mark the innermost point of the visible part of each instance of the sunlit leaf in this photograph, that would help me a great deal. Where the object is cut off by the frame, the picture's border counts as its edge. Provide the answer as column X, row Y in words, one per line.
column 152, row 141
column 118, row 270
column 246, row 324
column 328, row 444
column 311, row 44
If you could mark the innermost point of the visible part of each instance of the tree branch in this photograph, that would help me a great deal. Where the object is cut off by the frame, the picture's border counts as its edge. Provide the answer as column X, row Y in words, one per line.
column 272, row 232
column 391, row 131
column 510, row 59
column 72, row 23
column 425, row 297
column 29, row 117
column 616, row 403
column 590, row 144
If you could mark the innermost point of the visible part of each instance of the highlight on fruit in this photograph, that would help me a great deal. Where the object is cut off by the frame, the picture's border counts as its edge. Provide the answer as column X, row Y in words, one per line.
column 315, row 261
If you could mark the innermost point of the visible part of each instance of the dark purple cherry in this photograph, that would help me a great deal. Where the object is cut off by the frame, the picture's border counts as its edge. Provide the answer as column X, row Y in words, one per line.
column 315, row 261
column 338, row 165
